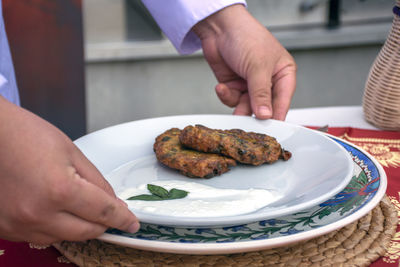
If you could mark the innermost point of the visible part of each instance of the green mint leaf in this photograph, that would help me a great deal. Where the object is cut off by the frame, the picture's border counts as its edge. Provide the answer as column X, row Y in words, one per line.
column 158, row 191
column 146, row 198
column 177, row 193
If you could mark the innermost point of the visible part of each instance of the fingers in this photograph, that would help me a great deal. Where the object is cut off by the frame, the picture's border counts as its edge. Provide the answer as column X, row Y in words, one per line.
column 46, row 230
column 229, row 93
column 259, row 84
column 283, row 91
column 234, row 94
column 89, row 172
column 67, row 227
column 70, row 228
column 91, row 203
column 243, row 107
column 94, row 200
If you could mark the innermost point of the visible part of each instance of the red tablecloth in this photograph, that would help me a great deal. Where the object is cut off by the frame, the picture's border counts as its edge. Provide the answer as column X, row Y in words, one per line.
column 383, row 145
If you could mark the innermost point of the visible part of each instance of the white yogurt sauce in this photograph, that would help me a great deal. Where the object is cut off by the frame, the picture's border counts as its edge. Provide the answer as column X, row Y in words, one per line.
column 202, row 200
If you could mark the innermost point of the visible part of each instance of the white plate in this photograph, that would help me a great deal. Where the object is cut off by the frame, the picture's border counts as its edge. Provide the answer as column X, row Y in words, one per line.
column 361, row 195
column 319, row 167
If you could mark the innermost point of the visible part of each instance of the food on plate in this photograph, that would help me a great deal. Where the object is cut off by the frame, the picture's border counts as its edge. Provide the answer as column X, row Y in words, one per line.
column 171, row 153
column 245, row 147
column 159, row 193
column 201, row 201
column 198, row 151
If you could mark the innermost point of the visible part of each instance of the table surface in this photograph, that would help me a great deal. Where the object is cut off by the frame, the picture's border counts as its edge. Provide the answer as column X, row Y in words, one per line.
column 343, row 116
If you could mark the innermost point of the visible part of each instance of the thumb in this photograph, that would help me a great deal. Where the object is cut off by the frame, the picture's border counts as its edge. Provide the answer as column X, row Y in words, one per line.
column 259, row 86
column 89, row 172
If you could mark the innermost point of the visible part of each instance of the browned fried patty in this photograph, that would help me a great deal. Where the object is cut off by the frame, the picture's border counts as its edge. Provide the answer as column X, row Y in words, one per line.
column 191, row 163
column 245, row 147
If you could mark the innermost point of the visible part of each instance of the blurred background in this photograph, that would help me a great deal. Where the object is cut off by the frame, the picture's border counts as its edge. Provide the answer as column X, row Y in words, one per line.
column 133, row 72
column 88, row 64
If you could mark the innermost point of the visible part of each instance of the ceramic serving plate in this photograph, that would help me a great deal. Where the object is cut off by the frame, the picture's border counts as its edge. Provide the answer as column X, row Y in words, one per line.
column 361, row 195
column 319, row 168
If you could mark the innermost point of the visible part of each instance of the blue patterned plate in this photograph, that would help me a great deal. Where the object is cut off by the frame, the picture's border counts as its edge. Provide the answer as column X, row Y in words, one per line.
column 363, row 193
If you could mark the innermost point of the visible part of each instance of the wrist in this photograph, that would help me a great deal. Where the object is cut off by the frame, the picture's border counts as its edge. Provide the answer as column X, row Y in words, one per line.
column 217, row 23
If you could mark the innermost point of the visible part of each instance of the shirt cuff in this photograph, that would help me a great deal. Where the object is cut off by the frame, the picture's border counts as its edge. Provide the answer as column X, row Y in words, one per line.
column 177, row 17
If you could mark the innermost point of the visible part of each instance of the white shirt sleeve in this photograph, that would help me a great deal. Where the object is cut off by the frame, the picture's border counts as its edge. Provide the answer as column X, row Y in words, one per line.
column 177, row 17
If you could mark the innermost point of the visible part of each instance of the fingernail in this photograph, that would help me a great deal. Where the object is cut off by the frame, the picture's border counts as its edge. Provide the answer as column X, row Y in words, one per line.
column 134, row 227
column 264, row 111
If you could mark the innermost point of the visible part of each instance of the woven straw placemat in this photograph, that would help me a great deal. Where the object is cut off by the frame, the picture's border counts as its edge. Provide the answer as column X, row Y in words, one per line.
column 357, row 244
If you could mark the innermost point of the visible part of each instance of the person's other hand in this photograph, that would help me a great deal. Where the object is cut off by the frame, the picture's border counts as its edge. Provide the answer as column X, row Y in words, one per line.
column 255, row 72
column 49, row 191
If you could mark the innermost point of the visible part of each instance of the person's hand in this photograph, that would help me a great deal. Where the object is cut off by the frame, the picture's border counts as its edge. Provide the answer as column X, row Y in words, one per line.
column 256, row 74
column 49, row 191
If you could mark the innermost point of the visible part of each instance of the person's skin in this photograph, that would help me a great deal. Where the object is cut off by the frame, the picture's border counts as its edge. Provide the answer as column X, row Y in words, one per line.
column 256, row 74
column 49, row 191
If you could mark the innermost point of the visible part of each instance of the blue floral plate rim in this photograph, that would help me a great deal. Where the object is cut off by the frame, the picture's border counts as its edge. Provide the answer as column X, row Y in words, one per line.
column 228, row 240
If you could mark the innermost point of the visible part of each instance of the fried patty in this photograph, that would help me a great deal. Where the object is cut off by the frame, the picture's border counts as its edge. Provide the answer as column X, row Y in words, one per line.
column 245, row 147
column 171, row 153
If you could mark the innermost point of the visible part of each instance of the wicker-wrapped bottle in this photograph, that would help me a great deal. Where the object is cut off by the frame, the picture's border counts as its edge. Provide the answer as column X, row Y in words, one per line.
column 381, row 102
